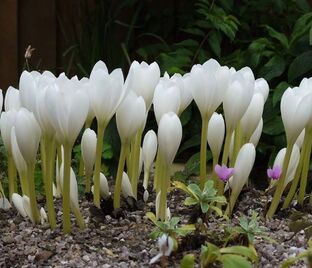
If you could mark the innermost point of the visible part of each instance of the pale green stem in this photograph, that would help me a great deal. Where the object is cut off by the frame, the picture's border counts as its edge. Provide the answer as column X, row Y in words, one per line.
column 11, row 176
column 225, row 157
column 146, row 178
column 280, row 184
column 295, row 181
column 160, row 173
column 81, row 163
column 24, row 183
column 213, row 174
column 1, row 190
column 78, row 216
column 66, row 189
column 128, row 161
column 305, row 170
column 32, row 193
column 88, row 183
column 59, row 162
column 203, row 151
column 121, row 165
column 231, row 204
column 156, row 171
column 50, row 147
column 135, row 157
column 237, row 143
column 163, row 191
column 97, row 167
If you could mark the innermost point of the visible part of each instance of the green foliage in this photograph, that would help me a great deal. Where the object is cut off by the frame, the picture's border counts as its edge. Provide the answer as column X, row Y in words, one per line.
column 206, row 199
column 306, row 255
column 229, row 257
column 274, row 38
column 247, row 229
column 169, row 227
column 188, row 261
column 191, row 167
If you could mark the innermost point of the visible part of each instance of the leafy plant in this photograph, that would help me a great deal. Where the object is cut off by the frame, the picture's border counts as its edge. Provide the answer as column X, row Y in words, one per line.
column 205, row 199
column 306, row 255
column 187, row 261
column 229, row 257
column 169, row 227
column 247, row 230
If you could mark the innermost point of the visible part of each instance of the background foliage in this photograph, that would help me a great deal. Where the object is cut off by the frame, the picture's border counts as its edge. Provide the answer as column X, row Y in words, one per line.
column 272, row 37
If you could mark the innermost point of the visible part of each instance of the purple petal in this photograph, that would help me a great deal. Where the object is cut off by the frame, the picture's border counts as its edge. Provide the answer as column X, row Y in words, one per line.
column 277, row 172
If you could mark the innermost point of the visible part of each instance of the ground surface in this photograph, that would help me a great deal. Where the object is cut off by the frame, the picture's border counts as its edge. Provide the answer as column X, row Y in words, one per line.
column 124, row 242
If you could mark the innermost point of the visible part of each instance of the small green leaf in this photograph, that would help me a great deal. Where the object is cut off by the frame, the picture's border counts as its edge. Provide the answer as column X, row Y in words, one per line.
column 278, row 92
column 235, row 261
column 188, row 261
column 204, row 207
column 189, row 201
column 278, row 36
column 301, row 65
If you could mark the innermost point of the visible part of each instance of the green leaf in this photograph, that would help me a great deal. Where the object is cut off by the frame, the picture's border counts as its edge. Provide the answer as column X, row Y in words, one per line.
column 204, row 207
column 189, row 201
column 214, row 41
column 185, row 229
column 310, row 36
column 217, row 210
column 300, row 65
column 186, row 116
column 151, row 216
column 188, row 261
column 174, row 221
column 235, row 261
column 274, row 126
column 273, row 68
column 278, row 92
column 278, row 36
column 240, row 250
column 195, row 189
column 191, row 142
column 183, row 187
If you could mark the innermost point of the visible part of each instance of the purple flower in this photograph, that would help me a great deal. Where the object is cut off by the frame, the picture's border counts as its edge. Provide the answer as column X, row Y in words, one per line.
column 274, row 173
column 223, row 172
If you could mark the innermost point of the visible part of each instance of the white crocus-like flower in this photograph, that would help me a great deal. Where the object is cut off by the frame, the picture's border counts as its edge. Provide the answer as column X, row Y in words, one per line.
column 165, row 244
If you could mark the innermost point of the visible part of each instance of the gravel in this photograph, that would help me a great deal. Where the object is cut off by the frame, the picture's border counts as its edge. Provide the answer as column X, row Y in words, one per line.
column 124, row 241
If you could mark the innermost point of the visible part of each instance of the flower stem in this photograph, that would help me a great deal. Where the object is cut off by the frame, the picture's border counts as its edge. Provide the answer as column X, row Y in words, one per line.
column 50, row 160
column 295, row 181
column 32, row 193
column 156, row 172
column 81, row 163
column 136, row 162
column 146, row 177
column 58, row 166
column 163, row 191
column 11, row 176
column 214, row 176
column 280, row 184
column 97, row 168
column 305, row 169
column 66, row 189
column 225, row 157
column 203, row 151
column 78, row 216
column 121, row 165
column 237, row 143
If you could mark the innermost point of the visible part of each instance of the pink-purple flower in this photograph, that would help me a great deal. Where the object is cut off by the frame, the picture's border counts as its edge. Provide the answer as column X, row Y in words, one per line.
column 223, row 172
column 274, row 173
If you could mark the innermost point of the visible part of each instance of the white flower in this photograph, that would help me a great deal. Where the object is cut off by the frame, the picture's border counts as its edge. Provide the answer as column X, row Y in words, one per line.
column 165, row 244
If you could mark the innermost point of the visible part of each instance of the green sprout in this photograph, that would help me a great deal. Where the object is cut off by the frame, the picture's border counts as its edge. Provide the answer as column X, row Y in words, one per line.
column 206, row 199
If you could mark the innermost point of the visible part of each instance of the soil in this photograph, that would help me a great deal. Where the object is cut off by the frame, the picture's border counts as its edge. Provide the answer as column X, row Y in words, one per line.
column 122, row 238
